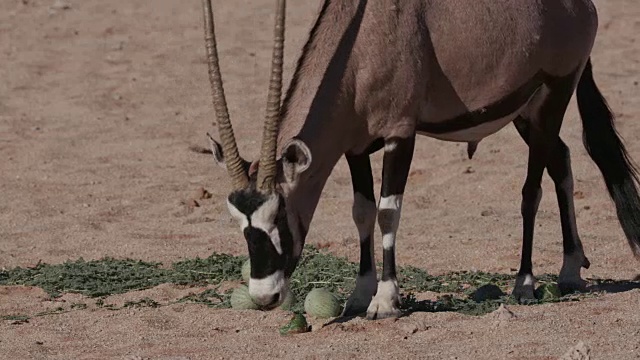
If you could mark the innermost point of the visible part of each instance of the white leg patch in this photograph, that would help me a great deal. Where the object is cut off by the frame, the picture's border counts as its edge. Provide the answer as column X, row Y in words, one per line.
column 262, row 291
column 389, row 147
column 386, row 302
column 525, row 286
column 570, row 271
column 389, row 220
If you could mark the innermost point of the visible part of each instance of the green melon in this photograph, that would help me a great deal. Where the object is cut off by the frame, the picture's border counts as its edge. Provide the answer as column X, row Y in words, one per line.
column 240, row 299
column 246, row 271
column 321, row 303
column 548, row 292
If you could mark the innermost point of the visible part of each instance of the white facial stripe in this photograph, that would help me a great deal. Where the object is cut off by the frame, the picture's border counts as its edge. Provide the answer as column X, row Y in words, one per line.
column 239, row 216
column 275, row 240
column 267, row 287
column 389, row 222
column 264, row 219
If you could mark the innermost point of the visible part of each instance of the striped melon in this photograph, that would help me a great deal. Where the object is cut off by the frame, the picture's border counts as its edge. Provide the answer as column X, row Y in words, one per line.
column 240, row 299
column 246, row 271
column 321, row 303
column 548, row 292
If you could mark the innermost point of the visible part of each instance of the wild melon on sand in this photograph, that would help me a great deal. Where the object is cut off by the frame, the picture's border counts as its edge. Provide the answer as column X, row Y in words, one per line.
column 321, row 303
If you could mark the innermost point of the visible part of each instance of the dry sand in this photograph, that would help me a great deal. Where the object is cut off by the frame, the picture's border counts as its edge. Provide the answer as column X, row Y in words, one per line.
column 99, row 104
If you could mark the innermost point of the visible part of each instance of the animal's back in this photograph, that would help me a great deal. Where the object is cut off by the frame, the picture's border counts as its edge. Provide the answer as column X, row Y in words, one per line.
column 449, row 57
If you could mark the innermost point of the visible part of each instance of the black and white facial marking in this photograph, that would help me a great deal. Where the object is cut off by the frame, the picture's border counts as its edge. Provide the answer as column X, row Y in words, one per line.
column 263, row 221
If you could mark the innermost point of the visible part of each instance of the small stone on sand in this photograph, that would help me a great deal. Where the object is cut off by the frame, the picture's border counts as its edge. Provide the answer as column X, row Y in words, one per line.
column 580, row 351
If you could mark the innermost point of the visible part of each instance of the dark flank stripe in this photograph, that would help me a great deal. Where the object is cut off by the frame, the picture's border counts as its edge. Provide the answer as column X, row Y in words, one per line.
column 500, row 109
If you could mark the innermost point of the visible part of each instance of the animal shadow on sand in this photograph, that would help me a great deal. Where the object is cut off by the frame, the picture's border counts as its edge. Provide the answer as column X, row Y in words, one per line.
column 451, row 303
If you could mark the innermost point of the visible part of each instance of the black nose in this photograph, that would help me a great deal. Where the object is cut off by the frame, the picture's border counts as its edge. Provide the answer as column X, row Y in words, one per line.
column 274, row 300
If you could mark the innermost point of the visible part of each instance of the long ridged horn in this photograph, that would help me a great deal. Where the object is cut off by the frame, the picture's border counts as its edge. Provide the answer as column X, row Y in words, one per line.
column 267, row 170
column 229, row 147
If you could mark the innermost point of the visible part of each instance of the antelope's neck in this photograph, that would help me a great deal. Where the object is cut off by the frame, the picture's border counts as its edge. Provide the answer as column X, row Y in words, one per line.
column 318, row 107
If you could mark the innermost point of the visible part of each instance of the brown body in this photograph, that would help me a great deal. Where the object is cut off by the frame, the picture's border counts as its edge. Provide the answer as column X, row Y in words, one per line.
column 413, row 61
column 375, row 74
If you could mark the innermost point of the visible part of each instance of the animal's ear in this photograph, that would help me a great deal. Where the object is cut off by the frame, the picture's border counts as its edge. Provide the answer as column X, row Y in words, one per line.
column 216, row 150
column 296, row 158
column 218, row 155
column 253, row 169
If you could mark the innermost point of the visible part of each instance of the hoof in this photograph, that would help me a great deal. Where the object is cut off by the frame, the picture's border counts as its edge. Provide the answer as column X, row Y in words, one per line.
column 383, row 312
column 525, row 288
column 386, row 303
column 569, row 287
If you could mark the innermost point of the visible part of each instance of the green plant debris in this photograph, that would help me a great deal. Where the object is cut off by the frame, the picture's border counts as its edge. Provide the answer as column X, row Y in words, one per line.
column 211, row 270
column 100, row 278
column 322, row 270
column 78, row 306
column 109, row 276
column 15, row 318
column 57, row 310
column 144, row 302
column 91, row 278
column 210, row 297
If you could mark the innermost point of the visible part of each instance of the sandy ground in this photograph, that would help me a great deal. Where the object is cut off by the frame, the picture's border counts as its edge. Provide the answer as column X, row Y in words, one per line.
column 99, row 104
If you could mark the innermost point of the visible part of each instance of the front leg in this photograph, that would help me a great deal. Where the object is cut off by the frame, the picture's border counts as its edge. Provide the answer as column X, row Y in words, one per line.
column 398, row 154
column 364, row 216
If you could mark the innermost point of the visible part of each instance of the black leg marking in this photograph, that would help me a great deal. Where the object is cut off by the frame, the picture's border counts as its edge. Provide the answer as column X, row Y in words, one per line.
column 559, row 168
column 541, row 134
column 364, row 208
column 364, row 215
column 395, row 171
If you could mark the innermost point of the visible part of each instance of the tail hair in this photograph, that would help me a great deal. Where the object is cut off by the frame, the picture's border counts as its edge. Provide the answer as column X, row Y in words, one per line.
column 606, row 149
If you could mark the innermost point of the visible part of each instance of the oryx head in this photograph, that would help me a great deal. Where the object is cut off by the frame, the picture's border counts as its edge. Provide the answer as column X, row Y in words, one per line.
column 258, row 199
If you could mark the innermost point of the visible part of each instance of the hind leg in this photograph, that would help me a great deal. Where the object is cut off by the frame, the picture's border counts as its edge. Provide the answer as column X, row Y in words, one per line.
column 573, row 254
column 559, row 169
column 531, row 195
column 540, row 128
column 364, row 215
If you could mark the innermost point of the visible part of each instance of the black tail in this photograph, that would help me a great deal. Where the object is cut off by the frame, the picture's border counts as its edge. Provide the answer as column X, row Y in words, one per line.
column 603, row 144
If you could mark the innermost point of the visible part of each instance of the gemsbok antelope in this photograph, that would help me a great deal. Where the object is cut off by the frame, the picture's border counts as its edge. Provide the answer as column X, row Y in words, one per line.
column 371, row 76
